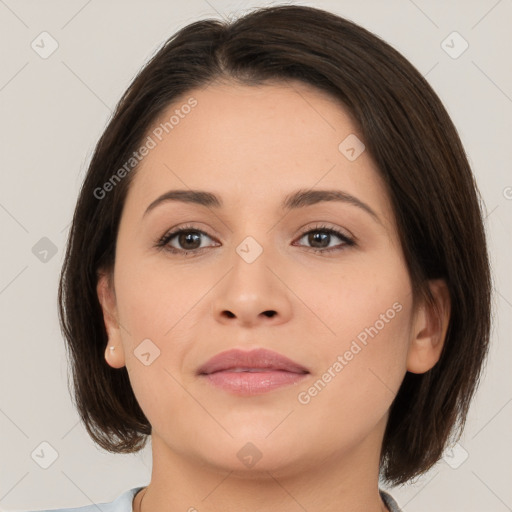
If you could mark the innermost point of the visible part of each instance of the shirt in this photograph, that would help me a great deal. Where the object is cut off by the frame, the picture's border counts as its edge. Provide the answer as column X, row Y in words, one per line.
column 123, row 503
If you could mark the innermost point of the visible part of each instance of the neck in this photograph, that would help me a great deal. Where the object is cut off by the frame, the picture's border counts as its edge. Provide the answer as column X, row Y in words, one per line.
column 342, row 481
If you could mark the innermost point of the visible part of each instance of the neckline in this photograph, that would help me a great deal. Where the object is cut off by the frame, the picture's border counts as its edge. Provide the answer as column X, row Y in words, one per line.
column 388, row 500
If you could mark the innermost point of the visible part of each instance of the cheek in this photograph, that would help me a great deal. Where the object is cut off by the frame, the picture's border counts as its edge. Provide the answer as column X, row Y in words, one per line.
column 154, row 302
column 363, row 365
column 154, row 298
column 357, row 297
column 368, row 312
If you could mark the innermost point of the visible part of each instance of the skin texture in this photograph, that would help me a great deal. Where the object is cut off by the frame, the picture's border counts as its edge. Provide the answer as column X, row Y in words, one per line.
column 252, row 146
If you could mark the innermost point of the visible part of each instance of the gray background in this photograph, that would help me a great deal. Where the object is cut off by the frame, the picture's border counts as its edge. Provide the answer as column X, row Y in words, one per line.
column 52, row 112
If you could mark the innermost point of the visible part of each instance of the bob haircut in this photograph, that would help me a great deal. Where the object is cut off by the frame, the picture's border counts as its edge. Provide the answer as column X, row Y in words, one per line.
column 420, row 157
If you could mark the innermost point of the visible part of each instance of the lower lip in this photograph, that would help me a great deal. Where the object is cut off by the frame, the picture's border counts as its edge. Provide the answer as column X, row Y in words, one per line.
column 253, row 383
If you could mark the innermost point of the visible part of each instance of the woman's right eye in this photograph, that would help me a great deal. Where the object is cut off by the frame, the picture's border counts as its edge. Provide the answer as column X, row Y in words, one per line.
column 183, row 240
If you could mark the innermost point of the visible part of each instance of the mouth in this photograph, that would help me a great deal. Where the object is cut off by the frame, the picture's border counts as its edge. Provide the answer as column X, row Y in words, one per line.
column 250, row 373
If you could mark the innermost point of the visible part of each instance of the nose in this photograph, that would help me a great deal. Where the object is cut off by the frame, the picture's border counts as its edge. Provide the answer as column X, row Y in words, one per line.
column 252, row 294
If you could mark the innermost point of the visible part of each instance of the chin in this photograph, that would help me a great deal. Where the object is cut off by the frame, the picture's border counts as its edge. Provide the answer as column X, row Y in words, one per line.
column 251, row 457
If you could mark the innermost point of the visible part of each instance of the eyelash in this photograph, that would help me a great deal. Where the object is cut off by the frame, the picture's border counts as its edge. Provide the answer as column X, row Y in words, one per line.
column 162, row 243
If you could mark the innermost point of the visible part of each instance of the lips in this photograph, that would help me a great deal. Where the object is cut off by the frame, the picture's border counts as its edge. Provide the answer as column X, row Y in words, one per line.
column 258, row 360
column 249, row 373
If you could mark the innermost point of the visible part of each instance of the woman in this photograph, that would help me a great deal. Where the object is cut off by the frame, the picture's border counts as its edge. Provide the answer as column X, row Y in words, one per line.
column 277, row 269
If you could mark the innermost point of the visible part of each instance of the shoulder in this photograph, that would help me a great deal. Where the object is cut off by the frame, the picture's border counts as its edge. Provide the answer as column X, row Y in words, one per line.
column 123, row 503
column 389, row 501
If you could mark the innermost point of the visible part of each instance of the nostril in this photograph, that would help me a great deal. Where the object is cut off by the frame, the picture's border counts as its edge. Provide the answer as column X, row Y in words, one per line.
column 270, row 313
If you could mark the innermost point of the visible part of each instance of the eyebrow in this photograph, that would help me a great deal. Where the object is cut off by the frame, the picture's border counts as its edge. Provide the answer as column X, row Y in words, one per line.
column 297, row 199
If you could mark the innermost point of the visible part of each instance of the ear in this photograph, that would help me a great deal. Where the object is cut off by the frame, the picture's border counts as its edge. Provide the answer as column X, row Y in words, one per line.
column 107, row 299
column 429, row 329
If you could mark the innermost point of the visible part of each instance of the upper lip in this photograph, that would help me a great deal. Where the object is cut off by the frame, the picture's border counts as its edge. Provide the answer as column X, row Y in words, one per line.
column 253, row 359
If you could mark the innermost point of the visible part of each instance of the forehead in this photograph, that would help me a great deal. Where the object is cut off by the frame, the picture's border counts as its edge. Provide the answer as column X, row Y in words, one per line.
column 244, row 142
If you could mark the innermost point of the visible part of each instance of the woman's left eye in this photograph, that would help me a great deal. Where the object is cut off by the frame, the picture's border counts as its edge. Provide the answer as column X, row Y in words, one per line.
column 189, row 240
column 321, row 237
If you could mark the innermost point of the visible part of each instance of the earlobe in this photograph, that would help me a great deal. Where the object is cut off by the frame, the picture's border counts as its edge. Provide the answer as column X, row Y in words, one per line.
column 114, row 354
column 429, row 329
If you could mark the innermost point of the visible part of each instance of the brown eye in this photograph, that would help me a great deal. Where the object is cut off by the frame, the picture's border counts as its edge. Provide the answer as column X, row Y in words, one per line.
column 320, row 239
column 183, row 240
column 189, row 240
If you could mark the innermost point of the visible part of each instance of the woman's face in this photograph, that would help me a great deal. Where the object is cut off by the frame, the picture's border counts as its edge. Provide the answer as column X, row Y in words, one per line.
column 341, row 304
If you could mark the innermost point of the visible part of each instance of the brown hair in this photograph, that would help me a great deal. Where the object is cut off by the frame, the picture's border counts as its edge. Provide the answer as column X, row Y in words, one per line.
column 411, row 138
